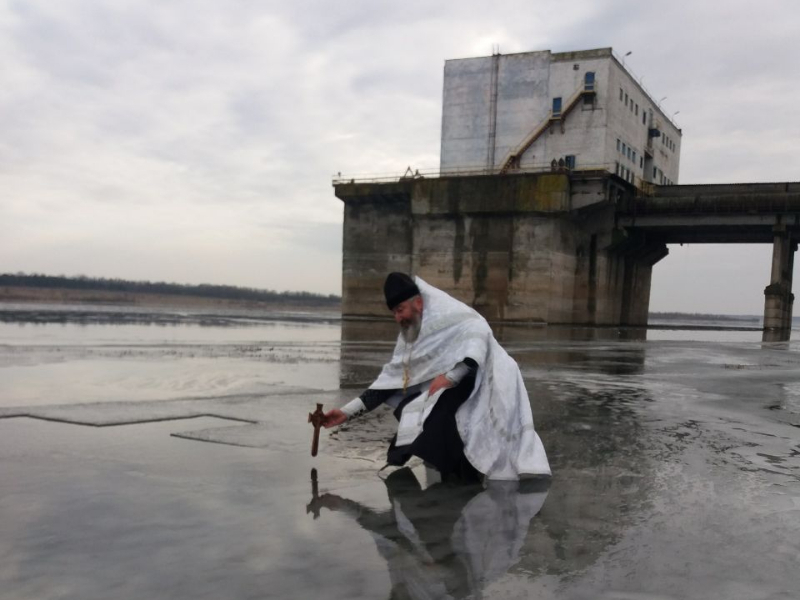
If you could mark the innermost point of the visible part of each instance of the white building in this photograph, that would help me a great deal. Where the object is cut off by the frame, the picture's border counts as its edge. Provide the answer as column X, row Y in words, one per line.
column 524, row 111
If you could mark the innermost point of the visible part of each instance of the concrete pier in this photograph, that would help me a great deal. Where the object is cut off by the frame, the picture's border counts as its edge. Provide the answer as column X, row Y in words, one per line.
column 778, row 297
column 535, row 247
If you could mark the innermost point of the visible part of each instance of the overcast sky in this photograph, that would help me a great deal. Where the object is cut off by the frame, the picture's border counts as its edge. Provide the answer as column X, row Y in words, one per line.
column 194, row 141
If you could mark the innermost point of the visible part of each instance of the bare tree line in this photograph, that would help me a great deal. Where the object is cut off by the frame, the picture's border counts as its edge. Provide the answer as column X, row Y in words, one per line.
column 204, row 290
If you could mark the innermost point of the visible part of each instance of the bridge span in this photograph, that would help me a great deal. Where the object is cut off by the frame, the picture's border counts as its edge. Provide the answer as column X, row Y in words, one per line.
column 746, row 213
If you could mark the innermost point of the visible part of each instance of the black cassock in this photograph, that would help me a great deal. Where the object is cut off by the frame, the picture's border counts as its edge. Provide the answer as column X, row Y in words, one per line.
column 439, row 444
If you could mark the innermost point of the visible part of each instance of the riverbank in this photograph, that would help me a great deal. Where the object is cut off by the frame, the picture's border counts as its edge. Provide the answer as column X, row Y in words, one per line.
column 31, row 295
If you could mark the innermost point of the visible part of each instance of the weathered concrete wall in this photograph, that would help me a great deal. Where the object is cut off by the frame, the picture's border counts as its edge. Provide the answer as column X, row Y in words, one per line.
column 377, row 240
column 510, row 246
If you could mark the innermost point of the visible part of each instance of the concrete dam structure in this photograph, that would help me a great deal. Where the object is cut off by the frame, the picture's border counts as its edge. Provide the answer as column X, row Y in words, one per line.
column 558, row 248
column 515, row 247
column 554, row 200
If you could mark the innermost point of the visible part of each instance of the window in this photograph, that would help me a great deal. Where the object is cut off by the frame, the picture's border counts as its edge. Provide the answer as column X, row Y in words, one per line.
column 588, row 81
column 629, row 153
column 557, row 107
column 618, row 146
column 626, row 98
column 655, row 172
column 624, row 147
column 644, row 118
column 569, row 161
column 637, row 110
column 634, row 157
column 641, row 162
column 620, row 94
column 616, row 168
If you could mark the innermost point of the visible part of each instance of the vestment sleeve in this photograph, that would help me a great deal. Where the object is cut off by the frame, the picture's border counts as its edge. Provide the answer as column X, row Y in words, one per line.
column 367, row 401
column 461, row 370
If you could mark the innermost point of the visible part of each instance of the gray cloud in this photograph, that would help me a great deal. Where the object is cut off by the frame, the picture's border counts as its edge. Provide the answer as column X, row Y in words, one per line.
column 195, row 141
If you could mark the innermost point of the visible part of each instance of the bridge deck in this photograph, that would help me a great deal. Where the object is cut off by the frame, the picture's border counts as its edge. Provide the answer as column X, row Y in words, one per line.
column 722, row 213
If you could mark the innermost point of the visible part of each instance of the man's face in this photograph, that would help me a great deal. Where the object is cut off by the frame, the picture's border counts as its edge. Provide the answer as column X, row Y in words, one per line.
column 408, row 315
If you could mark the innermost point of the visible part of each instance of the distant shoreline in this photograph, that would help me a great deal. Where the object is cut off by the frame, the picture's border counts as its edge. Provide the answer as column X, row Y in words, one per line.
column 674, row 316
column 31, row 295
column 36, row 295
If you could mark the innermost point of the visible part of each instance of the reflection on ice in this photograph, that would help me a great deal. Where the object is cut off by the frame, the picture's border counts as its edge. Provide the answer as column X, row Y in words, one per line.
column 444, row 541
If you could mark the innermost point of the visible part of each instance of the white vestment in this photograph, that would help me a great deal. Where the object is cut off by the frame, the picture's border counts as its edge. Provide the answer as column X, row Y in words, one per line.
column 495, row 423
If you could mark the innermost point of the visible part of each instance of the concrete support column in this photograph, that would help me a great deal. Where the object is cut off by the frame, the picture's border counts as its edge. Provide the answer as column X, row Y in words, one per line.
column 635, row 305
column 778, row 297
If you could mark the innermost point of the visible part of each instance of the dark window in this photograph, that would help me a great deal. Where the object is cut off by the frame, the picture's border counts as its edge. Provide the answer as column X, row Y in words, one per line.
column 637, row 110
column 643, row 118
column 641, row 162
column 588, row 81
column 569, row 161
column 620, row 94
column 557, row 107
column 618, row 145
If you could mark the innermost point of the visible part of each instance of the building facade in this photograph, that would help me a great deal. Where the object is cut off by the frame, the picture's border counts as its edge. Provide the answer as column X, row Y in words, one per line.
column 535, row 110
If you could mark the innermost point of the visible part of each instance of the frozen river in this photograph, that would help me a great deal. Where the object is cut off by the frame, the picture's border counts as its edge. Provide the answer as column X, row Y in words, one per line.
column 150, row 454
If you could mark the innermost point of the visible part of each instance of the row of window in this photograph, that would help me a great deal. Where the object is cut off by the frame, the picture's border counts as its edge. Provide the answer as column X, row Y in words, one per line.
column 665, row 139
column 624, row 172
column 658, row 175
column 633, row 106
column 621, row 170
column 629, row 152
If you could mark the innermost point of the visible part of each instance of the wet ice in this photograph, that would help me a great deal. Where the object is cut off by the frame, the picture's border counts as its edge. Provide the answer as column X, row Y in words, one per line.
column 676, row 466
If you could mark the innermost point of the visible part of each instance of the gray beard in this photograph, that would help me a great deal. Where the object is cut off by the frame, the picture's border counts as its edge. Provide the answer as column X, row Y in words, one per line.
column 410, row 332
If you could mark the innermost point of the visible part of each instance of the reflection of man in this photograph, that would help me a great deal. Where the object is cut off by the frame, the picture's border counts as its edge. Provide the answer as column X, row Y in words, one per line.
column 459, row 396
column 445, row 541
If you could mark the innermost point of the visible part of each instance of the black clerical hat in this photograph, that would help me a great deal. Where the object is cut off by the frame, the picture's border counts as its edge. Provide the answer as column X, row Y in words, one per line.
column 398, row 288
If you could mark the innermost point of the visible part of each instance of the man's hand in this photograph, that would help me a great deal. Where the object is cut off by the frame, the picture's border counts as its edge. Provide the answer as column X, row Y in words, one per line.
column 333, row 418
column 440, row 383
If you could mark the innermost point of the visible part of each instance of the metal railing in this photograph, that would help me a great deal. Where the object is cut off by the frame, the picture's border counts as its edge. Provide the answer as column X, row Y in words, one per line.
column 410, row 174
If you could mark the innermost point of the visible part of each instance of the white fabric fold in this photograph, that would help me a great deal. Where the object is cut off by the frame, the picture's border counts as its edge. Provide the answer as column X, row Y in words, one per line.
column 496, row 422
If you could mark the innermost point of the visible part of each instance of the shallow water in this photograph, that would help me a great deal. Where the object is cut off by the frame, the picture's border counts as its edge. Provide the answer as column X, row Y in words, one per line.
column 676, row 463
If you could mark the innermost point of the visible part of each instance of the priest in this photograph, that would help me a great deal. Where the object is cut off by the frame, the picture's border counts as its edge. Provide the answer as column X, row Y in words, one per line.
column 458, row 396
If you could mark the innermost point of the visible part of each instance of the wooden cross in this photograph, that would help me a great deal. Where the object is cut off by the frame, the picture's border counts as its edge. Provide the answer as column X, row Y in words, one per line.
column 315, row 419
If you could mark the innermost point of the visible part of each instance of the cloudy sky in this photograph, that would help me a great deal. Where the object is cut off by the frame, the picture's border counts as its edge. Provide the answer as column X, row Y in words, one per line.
column 194, row 141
